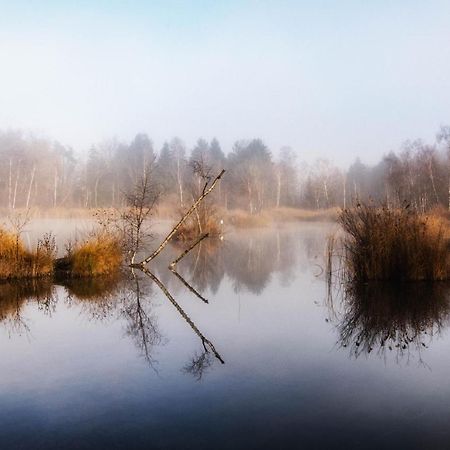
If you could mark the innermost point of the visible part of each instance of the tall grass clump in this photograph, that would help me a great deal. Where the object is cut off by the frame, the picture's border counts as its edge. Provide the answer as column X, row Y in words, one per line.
column 381, row 243
column 100, row 254
column 17, row 262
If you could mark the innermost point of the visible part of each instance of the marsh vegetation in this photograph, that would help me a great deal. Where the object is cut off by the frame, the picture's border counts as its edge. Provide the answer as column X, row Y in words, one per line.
column 390, row 244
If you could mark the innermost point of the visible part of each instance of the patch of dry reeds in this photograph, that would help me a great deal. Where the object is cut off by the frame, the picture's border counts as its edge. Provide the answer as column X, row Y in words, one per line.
column 381, row 243
column 100, row 254
column 17, row 262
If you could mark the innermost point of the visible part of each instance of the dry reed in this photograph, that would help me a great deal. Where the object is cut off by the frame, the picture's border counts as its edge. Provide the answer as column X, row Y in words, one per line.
column 17, row 262
column 393, row 245
column 100, row 254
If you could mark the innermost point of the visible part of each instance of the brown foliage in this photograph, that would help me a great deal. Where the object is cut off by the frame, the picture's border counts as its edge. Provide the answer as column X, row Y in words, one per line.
column 100, row 254
column 18, row 262
column 393, row 244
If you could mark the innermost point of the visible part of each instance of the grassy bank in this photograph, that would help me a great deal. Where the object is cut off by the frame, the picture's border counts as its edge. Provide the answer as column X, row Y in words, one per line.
column 99, row 254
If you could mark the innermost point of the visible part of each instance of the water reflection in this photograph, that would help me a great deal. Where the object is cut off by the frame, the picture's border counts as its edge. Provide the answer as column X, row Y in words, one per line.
column 14, row 295
column 248, row 260
column 142, row 322
column 391, row 319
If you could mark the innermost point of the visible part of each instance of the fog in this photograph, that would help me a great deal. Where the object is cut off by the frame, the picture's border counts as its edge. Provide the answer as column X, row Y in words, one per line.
column 329, row 80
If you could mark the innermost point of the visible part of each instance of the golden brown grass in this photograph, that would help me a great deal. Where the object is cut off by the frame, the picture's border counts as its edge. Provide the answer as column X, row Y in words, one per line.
column 393, row 244
column 18, row 262
column 100, row 254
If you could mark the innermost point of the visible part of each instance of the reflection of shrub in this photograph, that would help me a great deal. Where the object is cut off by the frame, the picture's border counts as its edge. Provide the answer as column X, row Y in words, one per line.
column 392, row 244
column 14, row 294
column 99, row 254
column 392, row 317
column 92, row 288
column 18, row 262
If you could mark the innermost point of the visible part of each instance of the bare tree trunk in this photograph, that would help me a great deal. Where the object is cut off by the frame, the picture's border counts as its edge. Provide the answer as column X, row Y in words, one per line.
column 55, row 187
column 15, row 186
column 10, row 184
column 96, row 192
column 278, row 188
column 325, row 190
column 250, row 200
column 430, row 170
column 180, row 181
column 31, row 185
column 345, row 191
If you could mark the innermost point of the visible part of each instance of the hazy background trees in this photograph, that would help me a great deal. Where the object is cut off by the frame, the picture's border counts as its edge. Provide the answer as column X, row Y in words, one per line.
column 39, row 172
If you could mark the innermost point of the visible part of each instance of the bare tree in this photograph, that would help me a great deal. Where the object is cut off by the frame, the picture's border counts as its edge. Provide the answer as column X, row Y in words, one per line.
column 141, row 202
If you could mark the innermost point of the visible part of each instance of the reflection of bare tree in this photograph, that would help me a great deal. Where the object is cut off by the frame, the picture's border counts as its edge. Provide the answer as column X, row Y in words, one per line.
column 142, row 324
column 198, row 365
column 384, row 318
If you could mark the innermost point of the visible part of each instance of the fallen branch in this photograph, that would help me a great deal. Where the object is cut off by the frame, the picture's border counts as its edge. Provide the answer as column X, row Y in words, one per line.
column 182, row 220
column 176, row 261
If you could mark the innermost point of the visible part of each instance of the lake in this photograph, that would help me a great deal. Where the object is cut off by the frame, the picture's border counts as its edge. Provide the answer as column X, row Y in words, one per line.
column 245, row 348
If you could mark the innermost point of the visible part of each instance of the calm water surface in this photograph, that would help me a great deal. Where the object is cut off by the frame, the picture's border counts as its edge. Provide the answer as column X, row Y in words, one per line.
column 269, row 362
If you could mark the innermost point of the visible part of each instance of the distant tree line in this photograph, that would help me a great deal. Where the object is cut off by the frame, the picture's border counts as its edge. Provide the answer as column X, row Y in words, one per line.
column 38, row 172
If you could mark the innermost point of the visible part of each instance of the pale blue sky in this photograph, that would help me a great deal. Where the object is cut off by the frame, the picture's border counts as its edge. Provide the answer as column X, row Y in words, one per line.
column 334, row 79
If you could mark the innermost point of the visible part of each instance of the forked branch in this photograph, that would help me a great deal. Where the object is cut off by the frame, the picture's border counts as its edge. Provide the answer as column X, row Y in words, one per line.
column 182, row 220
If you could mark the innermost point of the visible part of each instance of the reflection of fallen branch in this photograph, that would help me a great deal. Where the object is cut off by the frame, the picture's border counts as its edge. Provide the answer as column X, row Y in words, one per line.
column 173, row 264
column 191, row 288
column 182, row 220
column 207, row 344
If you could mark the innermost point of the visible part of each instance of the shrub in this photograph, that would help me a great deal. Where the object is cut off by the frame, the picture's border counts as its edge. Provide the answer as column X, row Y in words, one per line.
column 18, row 262
column 392, row 244
column 100, row 254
